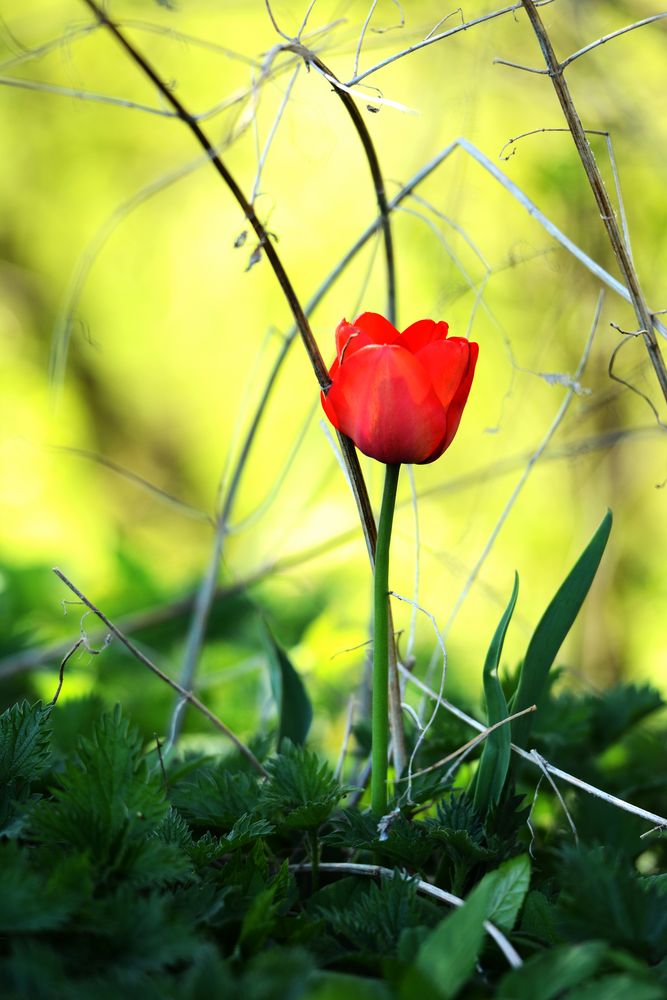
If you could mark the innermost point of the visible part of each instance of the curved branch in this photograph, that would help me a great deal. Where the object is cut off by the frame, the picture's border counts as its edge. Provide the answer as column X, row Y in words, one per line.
column 184, row 115
column 350, row 105
column 621, row 251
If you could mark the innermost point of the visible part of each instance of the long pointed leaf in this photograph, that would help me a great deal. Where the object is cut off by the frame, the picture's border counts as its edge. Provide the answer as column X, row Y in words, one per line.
column 555, row 624
column 495, row 760
column 295, row 712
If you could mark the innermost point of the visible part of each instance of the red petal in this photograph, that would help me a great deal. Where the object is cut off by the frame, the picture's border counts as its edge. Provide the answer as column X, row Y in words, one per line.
column 459, row 401
column 328, row 407
column 370, row 328
column 421, row 333
column 446, row 362
column 456, row 407
column 382, row 398
column 377, row 328
column 346, row 335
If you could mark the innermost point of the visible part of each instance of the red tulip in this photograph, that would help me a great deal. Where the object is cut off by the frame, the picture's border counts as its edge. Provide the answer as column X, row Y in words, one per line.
column 399, row 396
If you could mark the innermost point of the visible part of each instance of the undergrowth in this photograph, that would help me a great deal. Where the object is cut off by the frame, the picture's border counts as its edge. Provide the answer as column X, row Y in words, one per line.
column 125, row 875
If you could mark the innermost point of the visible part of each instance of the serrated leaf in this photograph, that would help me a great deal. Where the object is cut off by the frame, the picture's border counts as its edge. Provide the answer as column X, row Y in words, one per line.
column 538, row 918
column 295, row 712
column 215, row 796
column 505, row 890
column 25, row 754
column 552, row 629
column 262, row 913
column 371, row 917
column 494, row 763
column 548, row 974
column 24, row 742
column 301, row 791
column 447, row 958
column 616, row 710
column 109, row 806
column 34, row 900
column 602, row 898
column 245, row 831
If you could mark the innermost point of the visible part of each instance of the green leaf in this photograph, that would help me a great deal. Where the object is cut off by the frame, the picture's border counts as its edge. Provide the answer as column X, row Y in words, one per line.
column 34, row 900
column 24, row 741
column 538, row 919
column 25, row 753
column 505, row 889
column 619, row 987
column 301, row 791
column 496, row 754
column 447, row 958
column 554, row 625
column 336, row 985
column 371, row 917
column 295, row 712
column 547, row 974
column 109, row 806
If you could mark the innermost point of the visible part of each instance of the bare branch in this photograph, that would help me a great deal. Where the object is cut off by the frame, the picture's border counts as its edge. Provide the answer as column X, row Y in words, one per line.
column 534, row 458
column 373, row 163
column 612, row 800
column 644, row 318
column 374, row 871
column 187, row 695
column 608, row 38
column 431, row 39
column 470, row 745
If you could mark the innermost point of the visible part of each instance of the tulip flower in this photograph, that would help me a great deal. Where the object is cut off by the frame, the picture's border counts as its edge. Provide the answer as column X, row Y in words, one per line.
column 400, row 398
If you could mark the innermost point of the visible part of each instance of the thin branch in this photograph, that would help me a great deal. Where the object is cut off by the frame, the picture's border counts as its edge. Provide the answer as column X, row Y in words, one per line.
column 612, row 162
column 534, row 458
column 644, row 318
column 347, row 867
column 310, row 344
column 624, row 382
column 521, row 66
column 374, row 165
column 570, row 779
column 470, row 745
column 264, row 239
column 432, row 39
column 84, row 95
column 272, row 133
column 362, row 35
column 132, row 477
column 274, row 22
column 540, row 761
column 187, row 695
column 608, row 38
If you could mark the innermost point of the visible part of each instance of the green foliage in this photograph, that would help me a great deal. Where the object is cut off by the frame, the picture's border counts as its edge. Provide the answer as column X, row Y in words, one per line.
column 446, row 959
column 552, row 629
column 301, row 791
column 295, row 712
column 119, row 878
column 490, row 779
column 505, row 889
column 109, row 804
column 24, row 756
column 371, row 917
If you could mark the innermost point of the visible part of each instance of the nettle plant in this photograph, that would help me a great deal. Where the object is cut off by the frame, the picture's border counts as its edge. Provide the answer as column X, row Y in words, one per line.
column 426, row 861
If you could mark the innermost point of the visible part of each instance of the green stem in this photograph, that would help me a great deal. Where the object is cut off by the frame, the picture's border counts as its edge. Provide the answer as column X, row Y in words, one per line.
column 380, row 721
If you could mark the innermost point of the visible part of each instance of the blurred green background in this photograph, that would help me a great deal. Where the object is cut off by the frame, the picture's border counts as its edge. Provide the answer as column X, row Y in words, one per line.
column 110, row 212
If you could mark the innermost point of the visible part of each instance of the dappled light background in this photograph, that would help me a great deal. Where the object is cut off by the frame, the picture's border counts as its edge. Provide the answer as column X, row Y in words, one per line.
column 119, row 240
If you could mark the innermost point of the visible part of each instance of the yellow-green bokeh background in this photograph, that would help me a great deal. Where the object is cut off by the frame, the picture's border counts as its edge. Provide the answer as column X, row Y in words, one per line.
column 174, row 337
